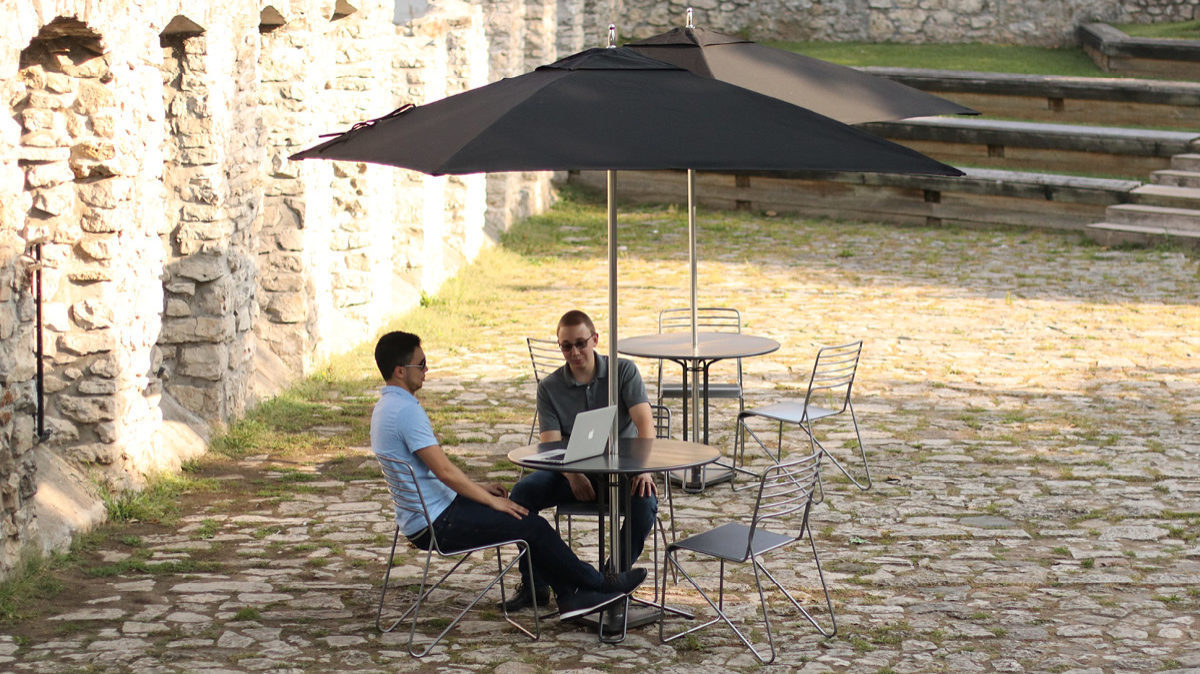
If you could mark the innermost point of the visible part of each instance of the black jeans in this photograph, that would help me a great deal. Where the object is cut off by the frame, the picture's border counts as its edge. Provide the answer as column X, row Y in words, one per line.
column 466, row 523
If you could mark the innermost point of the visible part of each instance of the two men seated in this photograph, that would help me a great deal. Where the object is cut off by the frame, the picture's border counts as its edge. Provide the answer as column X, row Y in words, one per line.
column 466, row 513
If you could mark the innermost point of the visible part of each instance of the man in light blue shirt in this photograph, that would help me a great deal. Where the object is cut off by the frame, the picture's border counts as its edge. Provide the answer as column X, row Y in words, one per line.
column 466, row 513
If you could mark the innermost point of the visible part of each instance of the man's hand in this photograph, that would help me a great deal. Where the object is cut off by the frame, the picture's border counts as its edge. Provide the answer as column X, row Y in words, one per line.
column 513, row 508
column 643, row 485
column 496, row 489
column 581, row 487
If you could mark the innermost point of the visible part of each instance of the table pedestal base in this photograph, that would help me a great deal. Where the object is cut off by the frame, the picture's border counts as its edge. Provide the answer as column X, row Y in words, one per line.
column 696, row 479
column 613, row 624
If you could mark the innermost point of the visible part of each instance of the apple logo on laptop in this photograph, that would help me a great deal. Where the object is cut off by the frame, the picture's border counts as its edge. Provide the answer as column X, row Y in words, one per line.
column 591, row 434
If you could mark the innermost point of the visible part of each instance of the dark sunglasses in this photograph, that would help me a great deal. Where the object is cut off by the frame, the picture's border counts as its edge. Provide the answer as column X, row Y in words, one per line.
column 580, row 344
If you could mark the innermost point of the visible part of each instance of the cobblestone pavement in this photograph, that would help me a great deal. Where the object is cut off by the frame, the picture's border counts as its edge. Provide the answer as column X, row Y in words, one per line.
column 1031, row 408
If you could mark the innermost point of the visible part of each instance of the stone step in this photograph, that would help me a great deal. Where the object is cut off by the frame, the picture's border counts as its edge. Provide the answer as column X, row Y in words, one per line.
column 1110, row 234
column 1154, row 217
column 1176, row 177
column 1186, row 162
column 1166, row 195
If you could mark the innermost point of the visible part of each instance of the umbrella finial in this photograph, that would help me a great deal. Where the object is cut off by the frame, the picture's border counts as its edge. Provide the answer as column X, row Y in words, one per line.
column 689, row 19
column 612, row 35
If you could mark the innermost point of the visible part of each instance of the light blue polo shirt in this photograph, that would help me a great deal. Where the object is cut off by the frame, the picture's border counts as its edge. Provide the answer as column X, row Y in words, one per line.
column 400, row 427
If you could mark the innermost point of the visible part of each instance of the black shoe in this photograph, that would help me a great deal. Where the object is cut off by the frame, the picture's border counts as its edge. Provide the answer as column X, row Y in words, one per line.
column 522, row 598
column 624, row 582
column 584, row 602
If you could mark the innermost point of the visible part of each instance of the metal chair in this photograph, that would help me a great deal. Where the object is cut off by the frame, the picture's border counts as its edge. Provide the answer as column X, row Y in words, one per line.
column 546, row 357
column 711, row 319
column 783, row 490
column 406, row 495
column 830, row 384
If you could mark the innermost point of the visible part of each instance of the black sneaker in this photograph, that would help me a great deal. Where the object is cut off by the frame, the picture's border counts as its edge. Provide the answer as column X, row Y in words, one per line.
column 522, row 598
column 584, row 602
column 624, row 582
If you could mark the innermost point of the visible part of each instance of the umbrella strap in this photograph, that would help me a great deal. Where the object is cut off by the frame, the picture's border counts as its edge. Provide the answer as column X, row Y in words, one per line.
column 371, row 122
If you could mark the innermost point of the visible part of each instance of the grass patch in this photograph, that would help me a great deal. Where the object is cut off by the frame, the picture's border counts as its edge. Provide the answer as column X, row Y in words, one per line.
column 32, row 581
column 976, row 57
column 158, row 502
column 1179, row 30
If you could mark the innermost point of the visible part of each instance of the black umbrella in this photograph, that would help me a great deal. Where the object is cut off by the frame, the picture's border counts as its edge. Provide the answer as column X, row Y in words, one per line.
column 845, row 94
column 838, row 92
column 615, row 109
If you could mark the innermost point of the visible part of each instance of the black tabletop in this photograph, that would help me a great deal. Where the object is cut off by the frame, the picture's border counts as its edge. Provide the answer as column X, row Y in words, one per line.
column 634, row 455
column 712, row 345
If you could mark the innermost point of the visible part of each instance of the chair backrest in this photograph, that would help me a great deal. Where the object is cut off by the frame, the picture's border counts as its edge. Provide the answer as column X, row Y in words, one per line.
column 786, row 488
column 833, row 373
column 662, row 421
column 713, row 319
column 545, row 355
column 406, row 492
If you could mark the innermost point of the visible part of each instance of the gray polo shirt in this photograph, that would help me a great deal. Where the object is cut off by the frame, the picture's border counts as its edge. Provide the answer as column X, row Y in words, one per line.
column 560, row 397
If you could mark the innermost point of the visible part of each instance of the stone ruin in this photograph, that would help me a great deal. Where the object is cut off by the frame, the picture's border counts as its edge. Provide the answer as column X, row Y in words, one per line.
column 162, row 263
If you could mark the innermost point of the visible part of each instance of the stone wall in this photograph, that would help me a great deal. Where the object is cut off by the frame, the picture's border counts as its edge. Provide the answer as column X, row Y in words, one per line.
column 186, row 266
column 1048, row 22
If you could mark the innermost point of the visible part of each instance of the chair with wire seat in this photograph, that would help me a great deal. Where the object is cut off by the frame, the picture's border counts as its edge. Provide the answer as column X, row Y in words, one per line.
column 830, row 385
column 546, row 357
column 710, row 319
column 783, row 491
column 406, row 496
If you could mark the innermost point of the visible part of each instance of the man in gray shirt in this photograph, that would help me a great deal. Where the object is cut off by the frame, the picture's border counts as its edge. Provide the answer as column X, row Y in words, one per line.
column 580, row 385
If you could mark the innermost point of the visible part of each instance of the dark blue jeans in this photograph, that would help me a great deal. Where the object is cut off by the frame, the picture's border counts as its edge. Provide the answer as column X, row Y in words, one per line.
column 466, row 523
column 542, row 489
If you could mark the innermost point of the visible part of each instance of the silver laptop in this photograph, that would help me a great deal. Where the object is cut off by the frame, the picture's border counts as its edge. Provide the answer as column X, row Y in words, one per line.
column 588, row 438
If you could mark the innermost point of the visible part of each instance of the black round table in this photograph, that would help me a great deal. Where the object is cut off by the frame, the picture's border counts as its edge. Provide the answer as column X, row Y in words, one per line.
column 634, row 456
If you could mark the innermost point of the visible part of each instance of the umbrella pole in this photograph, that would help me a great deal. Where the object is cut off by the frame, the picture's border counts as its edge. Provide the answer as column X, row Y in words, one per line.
column 614, row 514
column 691, row 192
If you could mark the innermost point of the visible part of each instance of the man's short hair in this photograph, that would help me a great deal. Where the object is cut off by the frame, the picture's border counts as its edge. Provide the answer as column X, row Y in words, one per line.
column 393, row 350
column 575, row 317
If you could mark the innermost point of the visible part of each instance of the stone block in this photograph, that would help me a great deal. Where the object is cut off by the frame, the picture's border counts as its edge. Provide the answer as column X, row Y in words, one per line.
column 59, row 83
column 216, row 329
column 281, row 282
column 105, row 193
column 100, row 221
column 203, row 401
column 8, row 320
column 34, row 76
column 92, row 314
column 290, row 240
column 31, row 153
column 87, row 409
column 96, row 452
column 49, row 175
column 84, row 343
column 94, row 149
column 177, row 307
column 47, row 100
column 104, row 125
column 200, row 213
column 206, row 361
column 198, row 156
column 216, row 298
column 180, row 287
column 201, row 268
column 92, row 97
column 98, row 247
column 90, row 274
column 287, row 308
column 98, row 386
column 57, row 200
column 43, row 120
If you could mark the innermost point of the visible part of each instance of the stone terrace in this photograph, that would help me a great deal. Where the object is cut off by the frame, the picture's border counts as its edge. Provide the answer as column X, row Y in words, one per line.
column 1029, row 402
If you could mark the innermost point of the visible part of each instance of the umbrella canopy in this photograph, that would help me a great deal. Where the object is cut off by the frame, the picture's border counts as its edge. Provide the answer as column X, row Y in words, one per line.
column 845, row 94
column 615, row 109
